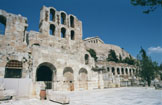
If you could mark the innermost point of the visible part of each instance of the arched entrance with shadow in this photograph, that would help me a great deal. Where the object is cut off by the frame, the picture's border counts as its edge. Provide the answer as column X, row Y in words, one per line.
column 46, row 72
column 83, row 79
column 68, row 80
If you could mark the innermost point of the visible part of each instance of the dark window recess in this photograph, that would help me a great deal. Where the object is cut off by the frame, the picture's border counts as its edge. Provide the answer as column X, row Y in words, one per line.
column 52, row 15
column 63, row 18
column 113, row 71
column 72, row 21
column 72, row 35
column 13, row 69
column 2, row 25
column 13, row 73
column 52, row 29
column 63, row 33
column 86, row 59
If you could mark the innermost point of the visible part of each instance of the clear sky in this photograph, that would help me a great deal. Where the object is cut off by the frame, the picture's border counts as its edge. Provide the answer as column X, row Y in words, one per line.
column 114, row 21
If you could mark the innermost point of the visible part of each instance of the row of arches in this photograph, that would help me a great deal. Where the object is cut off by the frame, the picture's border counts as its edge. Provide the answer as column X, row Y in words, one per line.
column 63, row 18
column 63, row 32
column 47, row 72
column 122, row 71
column 2, row 24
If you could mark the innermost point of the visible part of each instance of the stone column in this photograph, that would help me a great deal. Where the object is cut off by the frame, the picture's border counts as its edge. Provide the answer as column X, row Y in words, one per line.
column 124, row 71
column 115, row 71
column 128, row 72
column 120, row 71
column 101, row 83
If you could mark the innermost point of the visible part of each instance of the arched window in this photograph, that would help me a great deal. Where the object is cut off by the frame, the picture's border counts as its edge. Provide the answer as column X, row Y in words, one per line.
column 122, row 70
column 118, row 71
column 63, row 33
column 52, row 29
column 126, row 71
column 108, row 69
column 2, row 25
column 52, row 15
column 130, row 71
column 86, row 59
column 63, row 18
column 113, row 70
column 13, row 69
column 72, row 35
column 72, row 21
column 133, row 71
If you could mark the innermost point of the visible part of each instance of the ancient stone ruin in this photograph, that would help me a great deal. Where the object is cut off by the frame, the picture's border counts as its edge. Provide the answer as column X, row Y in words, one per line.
column 57, row 56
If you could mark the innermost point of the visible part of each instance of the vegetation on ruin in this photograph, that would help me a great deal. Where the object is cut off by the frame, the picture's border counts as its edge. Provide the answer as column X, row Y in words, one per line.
column 113, row 57
column 93, row 54
column 129, row 60
column 151, row 5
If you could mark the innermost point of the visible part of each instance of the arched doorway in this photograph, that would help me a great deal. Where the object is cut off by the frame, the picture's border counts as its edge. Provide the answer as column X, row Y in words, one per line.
column 83, row 79
column 46, row 72
column 68, row 78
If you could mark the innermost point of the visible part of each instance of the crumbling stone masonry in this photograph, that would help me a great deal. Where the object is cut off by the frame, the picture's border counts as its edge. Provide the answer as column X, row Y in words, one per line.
column 57, row 55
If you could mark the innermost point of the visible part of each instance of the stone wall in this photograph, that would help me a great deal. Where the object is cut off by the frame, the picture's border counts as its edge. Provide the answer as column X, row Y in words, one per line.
column 56, row 56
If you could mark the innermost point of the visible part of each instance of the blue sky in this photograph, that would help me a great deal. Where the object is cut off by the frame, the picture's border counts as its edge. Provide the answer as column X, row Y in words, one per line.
column 115, row 22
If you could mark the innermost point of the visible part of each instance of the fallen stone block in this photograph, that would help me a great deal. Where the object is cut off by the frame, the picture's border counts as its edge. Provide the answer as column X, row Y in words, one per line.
column 7, row 94
column 58, row 97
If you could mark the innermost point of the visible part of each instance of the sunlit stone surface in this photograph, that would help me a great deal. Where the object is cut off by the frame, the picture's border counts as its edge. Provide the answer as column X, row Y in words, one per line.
column 111, row 96
column 117, row 96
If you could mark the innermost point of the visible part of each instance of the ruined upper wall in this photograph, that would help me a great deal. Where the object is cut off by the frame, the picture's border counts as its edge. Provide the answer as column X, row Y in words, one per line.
column 59, row 24
column 14, row 31
column 15, row 25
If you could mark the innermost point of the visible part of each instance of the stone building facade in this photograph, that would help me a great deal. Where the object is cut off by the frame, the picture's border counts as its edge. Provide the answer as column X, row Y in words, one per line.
column 57, row 55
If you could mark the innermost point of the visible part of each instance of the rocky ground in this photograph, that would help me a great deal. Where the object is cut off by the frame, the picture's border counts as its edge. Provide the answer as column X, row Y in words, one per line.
column 110, row 96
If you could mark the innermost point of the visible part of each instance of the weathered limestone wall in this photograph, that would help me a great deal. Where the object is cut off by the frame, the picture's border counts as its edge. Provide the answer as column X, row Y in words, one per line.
column 45, row 22
column 12, row 43
column 58, row 51
column 60, row 56
column 57, row 48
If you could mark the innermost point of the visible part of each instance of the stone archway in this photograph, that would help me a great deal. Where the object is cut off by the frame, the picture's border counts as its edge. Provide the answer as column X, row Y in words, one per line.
column 46, row 72
column 68, row 78
column 83, row 79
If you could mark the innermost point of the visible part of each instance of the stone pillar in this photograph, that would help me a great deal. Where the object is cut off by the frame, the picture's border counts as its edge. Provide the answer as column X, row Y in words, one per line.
column 101, row 83
column 110, row 70
column 115, row 71
column 128, row 72
column 120, row 71
column 124, row 71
